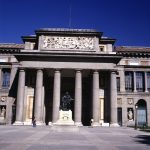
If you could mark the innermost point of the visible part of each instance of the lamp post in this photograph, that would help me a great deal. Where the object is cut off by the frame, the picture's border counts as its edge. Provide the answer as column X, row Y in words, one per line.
column 136, row 107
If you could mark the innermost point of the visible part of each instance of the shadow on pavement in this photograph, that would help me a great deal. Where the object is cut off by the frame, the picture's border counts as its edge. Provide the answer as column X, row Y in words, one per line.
column 143, row 139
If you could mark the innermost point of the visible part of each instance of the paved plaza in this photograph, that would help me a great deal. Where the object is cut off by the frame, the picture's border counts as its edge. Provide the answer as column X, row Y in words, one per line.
column 72, row 138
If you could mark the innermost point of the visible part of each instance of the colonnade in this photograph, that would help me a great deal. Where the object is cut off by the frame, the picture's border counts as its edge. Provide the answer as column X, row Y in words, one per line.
column 56, row 97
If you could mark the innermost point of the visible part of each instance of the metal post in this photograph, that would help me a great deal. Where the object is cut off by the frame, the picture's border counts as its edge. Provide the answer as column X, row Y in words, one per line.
column 136, row 107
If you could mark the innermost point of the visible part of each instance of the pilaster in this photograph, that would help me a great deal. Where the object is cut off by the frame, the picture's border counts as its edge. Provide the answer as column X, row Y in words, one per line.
column 134, row 79
column 122, row 80
column 145, row 80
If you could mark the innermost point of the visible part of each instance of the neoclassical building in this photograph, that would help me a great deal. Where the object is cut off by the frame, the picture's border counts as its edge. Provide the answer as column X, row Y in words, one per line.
column 109, row 85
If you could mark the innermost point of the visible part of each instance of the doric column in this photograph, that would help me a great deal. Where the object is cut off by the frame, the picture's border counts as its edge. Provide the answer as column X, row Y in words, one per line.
column 122, row 80
column 145, row 79
column 134, row 81
column 38, row 97
column 56, row 96
column 96, row 101
column 20, row 98
column 78, row 98
column 113, row 99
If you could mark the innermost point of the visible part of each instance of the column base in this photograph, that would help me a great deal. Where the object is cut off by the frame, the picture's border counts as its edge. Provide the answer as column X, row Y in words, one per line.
column 49, row 123
column 39, row 123
column 105, row 124
column 78, row 124
column 63, row 124
column 95, row 124
column 114, row 125
column 18, row 123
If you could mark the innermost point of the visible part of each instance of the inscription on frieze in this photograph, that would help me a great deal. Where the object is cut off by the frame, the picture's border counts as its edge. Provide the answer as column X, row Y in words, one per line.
column 80, row 43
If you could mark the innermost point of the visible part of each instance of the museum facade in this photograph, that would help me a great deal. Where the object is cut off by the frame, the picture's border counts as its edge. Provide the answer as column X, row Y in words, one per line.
column 74, row 77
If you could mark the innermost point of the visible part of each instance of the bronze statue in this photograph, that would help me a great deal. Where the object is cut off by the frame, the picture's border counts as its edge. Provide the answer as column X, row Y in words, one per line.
column 66, row 101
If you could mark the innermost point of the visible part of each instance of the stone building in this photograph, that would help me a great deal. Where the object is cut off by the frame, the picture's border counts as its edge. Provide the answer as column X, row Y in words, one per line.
column 108, row 85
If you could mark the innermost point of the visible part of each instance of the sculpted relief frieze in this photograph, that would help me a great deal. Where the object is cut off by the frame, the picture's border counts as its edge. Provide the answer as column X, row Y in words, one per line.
column 80, row 43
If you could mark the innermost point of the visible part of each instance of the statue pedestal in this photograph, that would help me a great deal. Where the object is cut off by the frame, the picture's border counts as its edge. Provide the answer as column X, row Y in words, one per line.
column 2, row 120
column 65, row 118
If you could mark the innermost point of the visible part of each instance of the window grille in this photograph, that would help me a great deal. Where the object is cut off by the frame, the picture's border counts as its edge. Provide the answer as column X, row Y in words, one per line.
column 6, row 78
column 139, row 81
column 129, row 81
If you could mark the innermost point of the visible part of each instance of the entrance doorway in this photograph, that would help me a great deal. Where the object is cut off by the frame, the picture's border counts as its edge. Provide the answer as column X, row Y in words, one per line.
column 119, row 114
column 141, row 113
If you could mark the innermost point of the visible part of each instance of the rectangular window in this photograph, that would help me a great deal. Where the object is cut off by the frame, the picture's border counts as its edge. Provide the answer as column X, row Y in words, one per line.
column 129, row 81
column 148, row 81
column 139, row 81
column 6, row 78
column 101, row 48
column 118, row 84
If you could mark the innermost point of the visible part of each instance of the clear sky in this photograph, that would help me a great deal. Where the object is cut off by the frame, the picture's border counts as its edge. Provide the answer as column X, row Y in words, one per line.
column 128, row 21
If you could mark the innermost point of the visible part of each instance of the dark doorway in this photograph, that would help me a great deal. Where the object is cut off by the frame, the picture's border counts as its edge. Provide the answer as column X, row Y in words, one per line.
column 86, row 101
column 48, row 83
column 119, row 114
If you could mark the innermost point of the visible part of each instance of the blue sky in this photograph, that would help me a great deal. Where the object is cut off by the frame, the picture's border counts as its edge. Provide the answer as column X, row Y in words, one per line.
column 128, row 21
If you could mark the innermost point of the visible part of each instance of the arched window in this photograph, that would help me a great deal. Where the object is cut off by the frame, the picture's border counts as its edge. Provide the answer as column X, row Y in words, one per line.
column 141, row 113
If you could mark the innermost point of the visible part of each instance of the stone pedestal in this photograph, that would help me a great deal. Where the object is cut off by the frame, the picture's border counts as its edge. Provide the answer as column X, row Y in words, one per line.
column 28, row 123
column 2, row 120
column 65, row 118
column 18, row 123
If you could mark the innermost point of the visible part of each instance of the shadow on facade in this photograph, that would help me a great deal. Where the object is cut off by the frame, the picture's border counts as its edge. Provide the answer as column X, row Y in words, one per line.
column 13, row 93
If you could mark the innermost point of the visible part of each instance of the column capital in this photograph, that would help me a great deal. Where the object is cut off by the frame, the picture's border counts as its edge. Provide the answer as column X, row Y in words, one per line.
column 95, row 71
column 57, row 70
column 22, row 69
column 113, row 71
column 39, row 69
column 78, row 70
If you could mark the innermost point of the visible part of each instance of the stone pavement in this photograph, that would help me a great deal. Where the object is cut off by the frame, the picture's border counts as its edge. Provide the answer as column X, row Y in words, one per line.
column 72, row 138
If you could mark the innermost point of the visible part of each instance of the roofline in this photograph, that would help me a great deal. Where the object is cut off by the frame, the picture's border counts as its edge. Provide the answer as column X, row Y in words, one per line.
column 62, row 31
column 108, row 40
column 29, row 38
